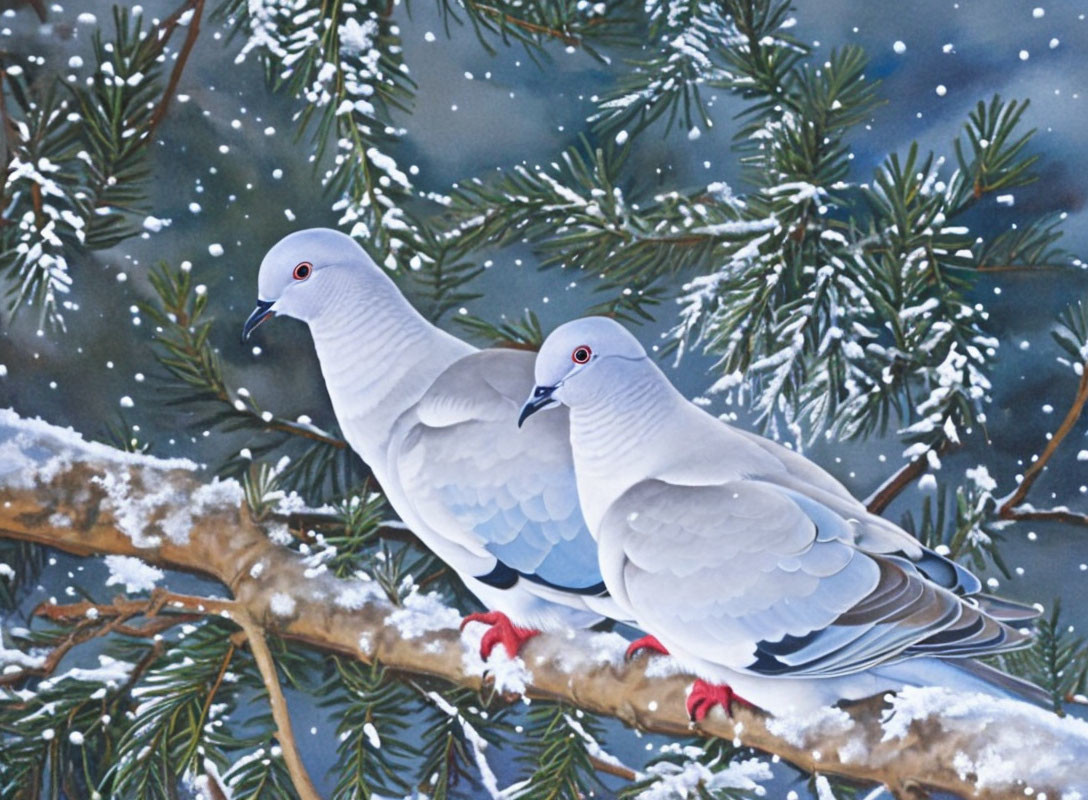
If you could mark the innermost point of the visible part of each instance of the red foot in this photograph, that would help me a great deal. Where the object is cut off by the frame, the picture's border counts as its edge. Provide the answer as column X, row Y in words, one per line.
column 502, row 630
column 704, row 696
column 645, row 643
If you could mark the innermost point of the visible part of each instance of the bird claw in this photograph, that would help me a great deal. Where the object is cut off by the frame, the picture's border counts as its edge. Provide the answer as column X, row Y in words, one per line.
column 645, row 643
column 502, row 631
column 704, row 696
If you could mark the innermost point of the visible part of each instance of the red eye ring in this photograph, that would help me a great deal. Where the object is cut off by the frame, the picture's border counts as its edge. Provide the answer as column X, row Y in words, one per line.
column 581, row 354
column 302, row 270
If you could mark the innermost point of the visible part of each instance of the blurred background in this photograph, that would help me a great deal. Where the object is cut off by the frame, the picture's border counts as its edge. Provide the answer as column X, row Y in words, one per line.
column 230, row 178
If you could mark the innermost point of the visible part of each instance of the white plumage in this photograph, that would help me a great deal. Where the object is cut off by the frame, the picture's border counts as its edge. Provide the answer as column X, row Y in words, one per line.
column 434, row 419
column 751, row 564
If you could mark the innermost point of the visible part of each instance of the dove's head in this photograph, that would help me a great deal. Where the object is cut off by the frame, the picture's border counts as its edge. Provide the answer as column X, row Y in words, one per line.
column 573, row 363
column 303, row 271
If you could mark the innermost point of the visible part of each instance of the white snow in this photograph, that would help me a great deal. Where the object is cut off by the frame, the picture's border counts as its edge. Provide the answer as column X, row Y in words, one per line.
column 980, row 476
column 135, row 574
column 110, row 673
column 22, row 463
column 422, row 613
column 155, row 224
column 823, row 789
column 18, row 658
column 281, row 604
column 593, row 747
column 1012, row 743
column 797, row 730
column 683, row 780
column 509, row 675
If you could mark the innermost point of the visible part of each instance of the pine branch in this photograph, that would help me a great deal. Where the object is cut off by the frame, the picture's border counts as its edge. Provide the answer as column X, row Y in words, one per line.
column 371, row 711
column 347, row 73
column 1057, row 661
column 557, row 746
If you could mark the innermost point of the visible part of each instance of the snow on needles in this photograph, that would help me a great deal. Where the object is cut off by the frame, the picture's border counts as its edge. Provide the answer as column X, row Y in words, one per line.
column 684, row 780
column 136, row 575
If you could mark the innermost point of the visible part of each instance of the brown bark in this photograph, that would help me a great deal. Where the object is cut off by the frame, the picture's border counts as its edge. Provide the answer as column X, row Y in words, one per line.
column 69, row 510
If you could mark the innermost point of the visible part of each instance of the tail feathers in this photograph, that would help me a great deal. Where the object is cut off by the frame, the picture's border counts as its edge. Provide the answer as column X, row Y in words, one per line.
column 1017, row 688
column 965, row 675
column 1005, row 610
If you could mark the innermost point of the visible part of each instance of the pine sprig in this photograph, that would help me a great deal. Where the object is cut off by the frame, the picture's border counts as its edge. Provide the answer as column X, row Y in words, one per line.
column 521, row 334
column 77, row 165
column 260, row 774
column 170, row 733
column 455, row 744
column 1056, row 661
column 373, row 732
column 59, row 739
column 558, row 753
column 20, row 565
column 115, row 113
column 669, row 83
column 343, row 63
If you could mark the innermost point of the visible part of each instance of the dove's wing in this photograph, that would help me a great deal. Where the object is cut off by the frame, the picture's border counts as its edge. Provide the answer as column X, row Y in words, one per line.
column 813, row 487
column 758, row 578
column 471, row 473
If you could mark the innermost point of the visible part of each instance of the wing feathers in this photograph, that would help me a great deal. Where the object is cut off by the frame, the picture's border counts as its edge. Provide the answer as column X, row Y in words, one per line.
column 763, row 579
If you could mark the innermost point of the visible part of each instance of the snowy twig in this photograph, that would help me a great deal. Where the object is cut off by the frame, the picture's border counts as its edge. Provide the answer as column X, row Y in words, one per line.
column 891, row 488
column 1011, row 507
column 64, row 493
column 92, row 622
column 164, row 32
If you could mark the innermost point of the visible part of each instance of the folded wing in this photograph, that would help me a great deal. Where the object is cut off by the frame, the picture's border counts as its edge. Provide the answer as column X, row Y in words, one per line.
column 766, row 579
column 472, row 473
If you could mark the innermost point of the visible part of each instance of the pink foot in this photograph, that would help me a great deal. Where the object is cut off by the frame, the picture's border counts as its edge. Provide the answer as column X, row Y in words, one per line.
column 502, row 630
column 645, row 643
column 704, row 696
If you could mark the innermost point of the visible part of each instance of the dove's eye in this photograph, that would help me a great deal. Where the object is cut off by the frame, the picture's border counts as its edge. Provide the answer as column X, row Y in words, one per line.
column 581, row 354
column 302, row 271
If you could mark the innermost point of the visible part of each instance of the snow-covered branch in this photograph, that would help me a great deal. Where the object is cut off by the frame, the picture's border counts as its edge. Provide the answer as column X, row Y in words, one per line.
column 88, row 499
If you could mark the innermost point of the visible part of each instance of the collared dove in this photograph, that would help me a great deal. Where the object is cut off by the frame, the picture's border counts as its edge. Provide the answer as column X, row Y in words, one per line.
column 748, row 562
column 433, row 417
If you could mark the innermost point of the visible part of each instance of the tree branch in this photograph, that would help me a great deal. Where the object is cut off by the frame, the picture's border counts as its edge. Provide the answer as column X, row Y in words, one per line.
column 284, row 733
column 87, row 499
column 1010, row 506
column 893, row 486
column 890, row 489
column 165, row 31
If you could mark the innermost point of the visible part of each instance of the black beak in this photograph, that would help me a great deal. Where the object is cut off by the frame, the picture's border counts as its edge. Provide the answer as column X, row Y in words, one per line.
column 541, row 398
column 259, row 315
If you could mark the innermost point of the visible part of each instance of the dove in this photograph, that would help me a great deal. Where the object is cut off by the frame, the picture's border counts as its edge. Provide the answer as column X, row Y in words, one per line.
column 749, row 563
column 432, row 417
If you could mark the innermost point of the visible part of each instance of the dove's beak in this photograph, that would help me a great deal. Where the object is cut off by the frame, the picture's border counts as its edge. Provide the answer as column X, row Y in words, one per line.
column 540, row 398
column 262, row 312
